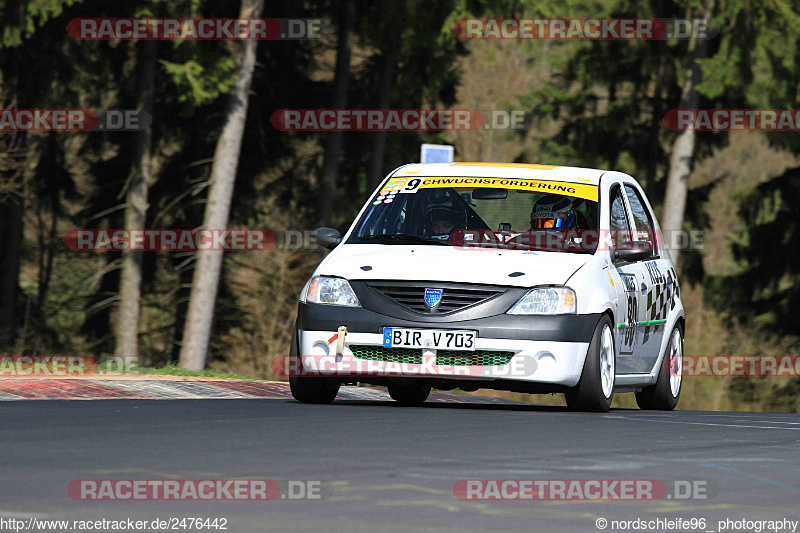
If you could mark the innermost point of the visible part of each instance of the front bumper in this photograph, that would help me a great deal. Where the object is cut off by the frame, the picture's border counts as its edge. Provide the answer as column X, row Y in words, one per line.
column 546, row 349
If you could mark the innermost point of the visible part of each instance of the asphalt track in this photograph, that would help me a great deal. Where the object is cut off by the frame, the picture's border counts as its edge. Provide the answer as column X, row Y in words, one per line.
column 391, row 468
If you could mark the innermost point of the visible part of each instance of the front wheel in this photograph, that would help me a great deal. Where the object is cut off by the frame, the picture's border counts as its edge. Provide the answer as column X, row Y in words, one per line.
column 409, row 394
column 595, row 390
column 664, row 395
column 310, row 389
column 313, row 390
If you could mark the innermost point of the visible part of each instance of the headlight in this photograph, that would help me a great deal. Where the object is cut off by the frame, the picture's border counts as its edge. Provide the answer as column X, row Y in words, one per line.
column 333, row 291
column 546, row 301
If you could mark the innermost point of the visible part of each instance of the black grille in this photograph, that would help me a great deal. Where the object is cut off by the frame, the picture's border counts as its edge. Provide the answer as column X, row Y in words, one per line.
column 476, row 358
column 411, row 356
column 454, row 296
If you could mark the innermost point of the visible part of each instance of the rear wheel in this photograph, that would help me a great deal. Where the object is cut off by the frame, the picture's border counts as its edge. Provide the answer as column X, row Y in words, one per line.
column 595, row 390
column 310, row 389
column 409, row 394
column 664, row 395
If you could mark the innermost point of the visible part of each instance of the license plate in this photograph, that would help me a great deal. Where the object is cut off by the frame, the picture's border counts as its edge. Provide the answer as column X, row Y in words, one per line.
column 434, row 339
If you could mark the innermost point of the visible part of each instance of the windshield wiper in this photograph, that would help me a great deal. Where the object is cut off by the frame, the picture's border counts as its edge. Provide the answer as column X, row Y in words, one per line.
column 401, row 238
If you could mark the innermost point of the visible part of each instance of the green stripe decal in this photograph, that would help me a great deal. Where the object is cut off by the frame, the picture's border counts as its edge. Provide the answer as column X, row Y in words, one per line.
column 652, row 322
column 643, row 323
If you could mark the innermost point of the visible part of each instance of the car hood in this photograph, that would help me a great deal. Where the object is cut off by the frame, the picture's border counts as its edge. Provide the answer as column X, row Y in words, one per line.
column 446, row 263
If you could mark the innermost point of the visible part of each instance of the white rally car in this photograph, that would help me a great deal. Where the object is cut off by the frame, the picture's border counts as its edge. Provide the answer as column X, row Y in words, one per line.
column 528, row 278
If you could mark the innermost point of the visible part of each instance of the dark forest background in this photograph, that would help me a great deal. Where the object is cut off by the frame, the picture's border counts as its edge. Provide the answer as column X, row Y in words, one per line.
column 590, row 103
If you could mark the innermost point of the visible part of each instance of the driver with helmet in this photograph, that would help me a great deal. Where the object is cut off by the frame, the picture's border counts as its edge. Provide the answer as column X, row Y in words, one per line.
column 553, row 212
column 444, row 218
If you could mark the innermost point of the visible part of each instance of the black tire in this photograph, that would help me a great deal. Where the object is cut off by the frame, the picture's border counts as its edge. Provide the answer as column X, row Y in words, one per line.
column 311, row 389
column 659, row 397
column 588, row 394
column 409, row 394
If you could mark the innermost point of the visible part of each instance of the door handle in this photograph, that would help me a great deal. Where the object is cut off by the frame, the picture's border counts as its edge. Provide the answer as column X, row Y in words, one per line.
column 644, row 288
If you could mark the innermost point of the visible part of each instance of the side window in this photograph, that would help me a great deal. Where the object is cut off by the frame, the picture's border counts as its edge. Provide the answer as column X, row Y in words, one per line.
column 620, row 229
column 645, row 229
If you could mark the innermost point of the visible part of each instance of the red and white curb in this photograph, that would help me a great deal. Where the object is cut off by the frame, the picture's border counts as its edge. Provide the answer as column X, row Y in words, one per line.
column 88, row 389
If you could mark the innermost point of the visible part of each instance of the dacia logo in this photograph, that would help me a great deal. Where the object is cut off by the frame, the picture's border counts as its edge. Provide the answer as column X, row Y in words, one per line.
column 433, row 297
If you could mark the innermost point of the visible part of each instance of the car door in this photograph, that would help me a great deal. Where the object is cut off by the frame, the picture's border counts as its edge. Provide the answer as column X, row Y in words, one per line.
column 658, row 283
column 630, row 277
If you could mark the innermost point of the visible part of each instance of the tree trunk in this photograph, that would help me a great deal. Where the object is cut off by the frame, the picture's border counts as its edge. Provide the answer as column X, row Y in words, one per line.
column 657, row 121
column 375, row 170
column 197, row 333
column 12, row 194
column 333, row 144
column 10, row 247
column 388, row 67
column 139, row 182
column 680, row 164
column 54, row 176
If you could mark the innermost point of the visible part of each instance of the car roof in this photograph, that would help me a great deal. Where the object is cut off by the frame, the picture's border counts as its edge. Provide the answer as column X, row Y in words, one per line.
column 503, row 170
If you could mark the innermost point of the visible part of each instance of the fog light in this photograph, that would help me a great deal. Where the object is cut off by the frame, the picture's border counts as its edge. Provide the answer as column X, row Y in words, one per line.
column 545, row 355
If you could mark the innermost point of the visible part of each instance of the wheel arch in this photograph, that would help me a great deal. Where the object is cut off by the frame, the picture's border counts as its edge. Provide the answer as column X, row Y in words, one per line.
column 579, row 363
column 679, row 321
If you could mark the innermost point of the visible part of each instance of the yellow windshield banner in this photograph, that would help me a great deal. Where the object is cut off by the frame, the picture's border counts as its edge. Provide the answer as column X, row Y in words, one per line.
column 578, row 190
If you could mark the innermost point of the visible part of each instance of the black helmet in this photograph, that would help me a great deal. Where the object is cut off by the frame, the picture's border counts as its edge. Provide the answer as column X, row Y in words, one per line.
column 444, row 212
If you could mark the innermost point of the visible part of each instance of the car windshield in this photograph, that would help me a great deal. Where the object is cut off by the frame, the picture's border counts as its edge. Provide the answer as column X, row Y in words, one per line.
column 481, row 212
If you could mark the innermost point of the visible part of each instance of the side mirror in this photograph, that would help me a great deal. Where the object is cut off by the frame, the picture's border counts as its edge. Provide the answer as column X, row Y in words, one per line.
column 327, row 237
column 633, row 251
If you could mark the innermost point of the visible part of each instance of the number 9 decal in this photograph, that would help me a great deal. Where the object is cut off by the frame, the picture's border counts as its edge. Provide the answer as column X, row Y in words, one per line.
column 629, row 333
column 412, row 185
